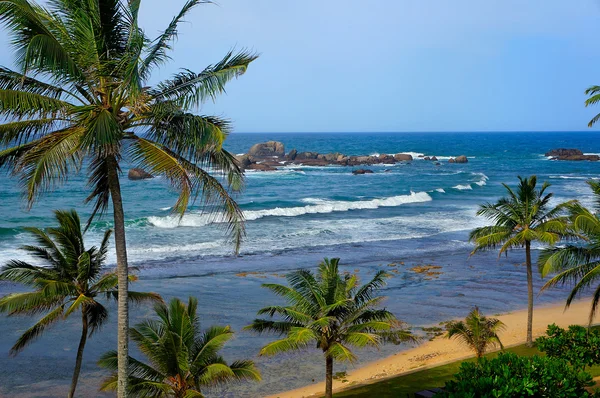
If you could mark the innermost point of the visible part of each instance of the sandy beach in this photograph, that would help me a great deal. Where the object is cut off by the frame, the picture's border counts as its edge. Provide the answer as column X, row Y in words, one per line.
column 441, row 350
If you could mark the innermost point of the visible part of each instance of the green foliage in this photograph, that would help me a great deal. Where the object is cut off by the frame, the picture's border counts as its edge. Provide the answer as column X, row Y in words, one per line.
column 81, row 90
column 476, row 331
column 577, row 264
column 577, row 345
column 69, row 280
column 182, row 359
column 510, row 375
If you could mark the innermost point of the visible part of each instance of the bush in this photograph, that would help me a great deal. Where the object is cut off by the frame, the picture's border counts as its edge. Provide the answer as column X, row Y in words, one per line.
column 577, row 345
column 510, row 375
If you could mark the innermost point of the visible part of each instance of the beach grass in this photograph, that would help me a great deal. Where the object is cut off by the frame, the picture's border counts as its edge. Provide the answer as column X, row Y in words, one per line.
column 407, row 384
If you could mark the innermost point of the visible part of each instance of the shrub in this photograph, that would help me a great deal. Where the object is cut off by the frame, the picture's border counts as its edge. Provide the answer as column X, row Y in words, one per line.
column 510, row 375
column 577, row 345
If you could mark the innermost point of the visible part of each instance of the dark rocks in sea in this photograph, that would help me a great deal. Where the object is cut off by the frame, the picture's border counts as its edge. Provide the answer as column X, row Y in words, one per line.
column 459, row 159
column 267, row 149
column 268, row 156
column 138, row 174
column 570, row 154
column 362, row 171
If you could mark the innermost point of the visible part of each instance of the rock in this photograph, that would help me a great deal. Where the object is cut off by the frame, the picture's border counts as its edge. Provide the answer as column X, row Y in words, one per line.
column 564, row 152
column 451, row 160
column 403, row 157
column 138, row 174
column 266, row 149
column 341, row 158
column 461, row 159
column 331, row 157
column 387, row 159
column 292, row 154
column 426, row 158
column 261, row 167
column 571, row 154
column 243, row 160
column 437, row 163
column 434, row 159
column 362, row 171
column 306, row 155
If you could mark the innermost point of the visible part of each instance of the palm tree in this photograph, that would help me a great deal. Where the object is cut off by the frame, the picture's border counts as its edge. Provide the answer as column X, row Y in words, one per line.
column 80, row 96
column 523, row 217
column 68, row 281
column 594, row 97
column 477, row 332
column 577, row 263
column 332, row 311
column 182, row 359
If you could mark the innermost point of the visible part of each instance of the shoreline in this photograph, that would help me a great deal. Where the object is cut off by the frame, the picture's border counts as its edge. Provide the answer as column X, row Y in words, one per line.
column 440, row 350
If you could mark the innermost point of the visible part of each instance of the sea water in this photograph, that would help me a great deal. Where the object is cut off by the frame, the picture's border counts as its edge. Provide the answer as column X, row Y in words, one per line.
column 404, row 213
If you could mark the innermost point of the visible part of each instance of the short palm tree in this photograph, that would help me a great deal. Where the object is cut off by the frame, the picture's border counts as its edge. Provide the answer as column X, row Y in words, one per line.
column 477, row 332
column 70, row 280
column 523, row 217
column 577, row 263
column 182, row 360
column 80, row 97
column 332, row 311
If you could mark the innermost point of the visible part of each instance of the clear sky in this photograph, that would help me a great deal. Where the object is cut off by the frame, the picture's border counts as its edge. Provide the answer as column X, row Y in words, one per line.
column 394, row 65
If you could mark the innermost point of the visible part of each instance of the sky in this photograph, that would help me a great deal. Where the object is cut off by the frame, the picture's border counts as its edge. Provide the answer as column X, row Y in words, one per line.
column 392, row 65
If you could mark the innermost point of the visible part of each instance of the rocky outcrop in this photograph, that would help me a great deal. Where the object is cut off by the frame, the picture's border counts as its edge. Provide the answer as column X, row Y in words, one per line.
column 291, row 155
column 243, row 160
column 261, row 167
column 571, row 154
column 461, row 159
column 138, row 174
column 560, row 152
column 403, row 157
column 267, row 150
column 362, row 171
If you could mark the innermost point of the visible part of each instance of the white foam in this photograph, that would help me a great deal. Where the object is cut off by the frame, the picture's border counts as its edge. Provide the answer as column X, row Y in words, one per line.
column 569, row 177
column 462, row 187
column 165, row 208
column 318, row 206
column 440, row 190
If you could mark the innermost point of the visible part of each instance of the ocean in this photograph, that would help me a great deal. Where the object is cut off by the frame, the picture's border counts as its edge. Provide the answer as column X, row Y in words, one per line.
column 412, row 213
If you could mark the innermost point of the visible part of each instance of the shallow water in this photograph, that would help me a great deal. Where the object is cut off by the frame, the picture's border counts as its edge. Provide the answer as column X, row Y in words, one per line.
column 415, row 213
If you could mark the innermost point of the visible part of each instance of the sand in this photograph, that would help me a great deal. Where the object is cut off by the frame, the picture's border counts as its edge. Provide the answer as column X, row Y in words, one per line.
column 442, row 350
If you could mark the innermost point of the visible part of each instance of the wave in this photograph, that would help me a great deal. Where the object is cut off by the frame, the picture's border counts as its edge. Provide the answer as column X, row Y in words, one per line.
column 440, row 190
column 462, row 187
column 316, row 206
column 569, row 177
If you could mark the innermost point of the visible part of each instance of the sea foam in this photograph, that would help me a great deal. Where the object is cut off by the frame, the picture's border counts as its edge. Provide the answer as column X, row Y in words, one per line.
column 317, row 206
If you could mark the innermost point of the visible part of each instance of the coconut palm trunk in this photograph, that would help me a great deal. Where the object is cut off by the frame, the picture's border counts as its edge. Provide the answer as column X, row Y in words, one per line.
column 328, row 377
column 529, row 294
column 122, row 276
column 82, row 341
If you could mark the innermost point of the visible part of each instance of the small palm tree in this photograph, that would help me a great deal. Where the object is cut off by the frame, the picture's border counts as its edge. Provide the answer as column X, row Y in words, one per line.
column 182, row 359
column 477, row 332
column 577, row 263
column 69, row 281
column 80, row 95
column 331, row 311
column 523, row 217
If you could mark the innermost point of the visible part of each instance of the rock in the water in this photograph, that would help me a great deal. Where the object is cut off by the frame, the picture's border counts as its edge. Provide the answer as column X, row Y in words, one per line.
column 306, row 155
column 267, row 150
column 243, row 160
column 261, row 167
column 434, row 159
column 138, row 174
column 461, row 159
column 362, row 171
column 292, row 154
column 403, row 157
column 564, row 152
column 571, row 154
column 426, row 158
column 451, row 160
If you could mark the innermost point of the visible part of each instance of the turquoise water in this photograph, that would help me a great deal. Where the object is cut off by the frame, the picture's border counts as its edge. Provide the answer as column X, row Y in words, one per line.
column 415, row 213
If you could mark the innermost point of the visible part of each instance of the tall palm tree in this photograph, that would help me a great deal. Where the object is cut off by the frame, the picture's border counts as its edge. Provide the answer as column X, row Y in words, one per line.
column 594, row 97
column 477, row 332
column 331, row 311
column 523, row 217
column 577, row 263
column 80, row 96
column 69, row 280
column 182, row 359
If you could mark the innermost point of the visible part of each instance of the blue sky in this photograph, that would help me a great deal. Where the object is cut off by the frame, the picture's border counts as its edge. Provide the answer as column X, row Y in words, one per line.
column 394, row 65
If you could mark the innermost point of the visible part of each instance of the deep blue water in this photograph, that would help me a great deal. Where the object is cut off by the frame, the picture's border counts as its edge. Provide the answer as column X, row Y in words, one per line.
column 416, row 213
